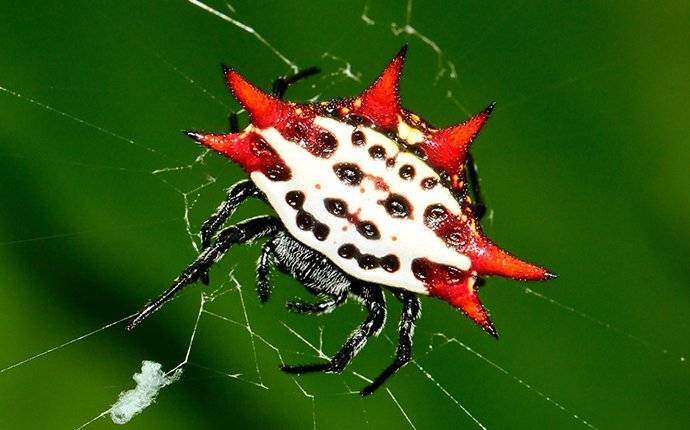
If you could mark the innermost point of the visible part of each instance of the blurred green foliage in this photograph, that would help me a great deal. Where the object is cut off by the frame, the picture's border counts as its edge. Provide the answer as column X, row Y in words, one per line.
column 584, row 165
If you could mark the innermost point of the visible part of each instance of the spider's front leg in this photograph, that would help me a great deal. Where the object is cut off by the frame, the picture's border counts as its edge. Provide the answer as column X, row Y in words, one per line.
column 236, row 195
column 372, row 297
column 245, row 231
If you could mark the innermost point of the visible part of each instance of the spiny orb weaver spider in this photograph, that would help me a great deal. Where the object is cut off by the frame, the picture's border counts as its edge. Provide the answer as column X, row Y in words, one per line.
column 367, row 195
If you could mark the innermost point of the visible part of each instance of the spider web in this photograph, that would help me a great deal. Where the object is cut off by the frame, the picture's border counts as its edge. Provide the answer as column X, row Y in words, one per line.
column 228, row 309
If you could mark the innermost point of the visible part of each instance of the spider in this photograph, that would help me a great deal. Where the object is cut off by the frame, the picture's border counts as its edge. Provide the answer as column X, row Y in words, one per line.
column 368, row 196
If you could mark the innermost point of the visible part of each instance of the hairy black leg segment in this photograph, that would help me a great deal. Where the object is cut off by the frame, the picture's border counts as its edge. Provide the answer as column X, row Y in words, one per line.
column 321, row 307
column 281, row 84
column 371, row 296
column 263, row 288
column 245, row 231
column 410, row 312
column 478, row 206
column 236, row 195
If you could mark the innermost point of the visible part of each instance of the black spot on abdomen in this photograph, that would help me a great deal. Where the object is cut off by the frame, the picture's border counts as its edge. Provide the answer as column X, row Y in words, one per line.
column 397, row 206
column 368, row 230
column 336, row 207
column 348, row 173
column 326, row 144
column 358, row 138
column 304, row 220
column 348, row 251
column 406, row 172
column 368, row 262
column 377, row 152
column 434, row 215
column 295, row 199
column 321, row 231
column 428, row 183
column 390, row 263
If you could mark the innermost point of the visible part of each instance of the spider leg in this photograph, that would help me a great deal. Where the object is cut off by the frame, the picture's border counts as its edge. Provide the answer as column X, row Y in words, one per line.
column 234, row 122
column 281, row 84
column 372, row 297
column 236, row 195
column 478, row 207
column 410, row 312
column 245, row 231
column 262, row 284
column 321, row 307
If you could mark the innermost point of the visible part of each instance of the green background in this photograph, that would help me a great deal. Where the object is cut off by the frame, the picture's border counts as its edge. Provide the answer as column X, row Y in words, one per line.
column 584, row 165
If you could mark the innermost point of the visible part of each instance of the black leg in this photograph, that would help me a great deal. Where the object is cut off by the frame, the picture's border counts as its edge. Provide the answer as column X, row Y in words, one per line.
column 410, row 312
column 478, row 206
column 372, row 297
column 263, row 287
column 236, row 195
column 324, row 306
column 234, row 122
column 245, row 231
column 281, row 84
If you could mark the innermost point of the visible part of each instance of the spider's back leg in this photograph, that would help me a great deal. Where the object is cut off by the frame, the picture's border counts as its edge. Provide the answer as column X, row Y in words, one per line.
column 371, row 296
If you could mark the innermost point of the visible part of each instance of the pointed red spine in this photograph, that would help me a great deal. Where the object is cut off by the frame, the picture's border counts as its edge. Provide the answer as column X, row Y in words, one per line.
column 249, row 150
column 447, row 148
column 455, row 287
column 380, row 103
column 264, row 109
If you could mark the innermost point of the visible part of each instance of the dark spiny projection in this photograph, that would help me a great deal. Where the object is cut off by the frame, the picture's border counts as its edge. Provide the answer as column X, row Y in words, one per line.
column 358, row 138
column 348, row 173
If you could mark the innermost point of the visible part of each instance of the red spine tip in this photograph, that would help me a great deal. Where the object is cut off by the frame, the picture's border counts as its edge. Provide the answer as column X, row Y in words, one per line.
column 264, row 109
column 380, row 103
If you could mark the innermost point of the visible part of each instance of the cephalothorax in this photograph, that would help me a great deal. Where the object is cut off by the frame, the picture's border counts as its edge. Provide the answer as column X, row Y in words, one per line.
column 367, row 195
